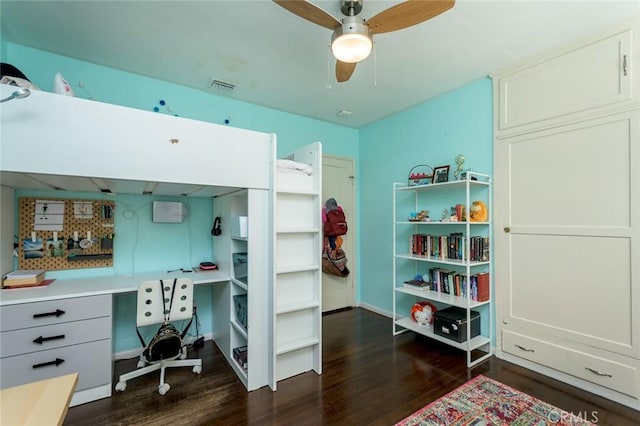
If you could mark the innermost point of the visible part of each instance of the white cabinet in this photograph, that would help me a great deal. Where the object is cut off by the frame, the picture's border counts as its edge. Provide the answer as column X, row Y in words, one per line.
column 567, row 185
column 297, row 308
column 41, row 340
column 567, row 260
column 450, row 254
column 571, row 85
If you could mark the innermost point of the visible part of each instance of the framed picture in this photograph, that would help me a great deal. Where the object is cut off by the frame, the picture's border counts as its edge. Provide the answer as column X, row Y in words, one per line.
column 441, row 174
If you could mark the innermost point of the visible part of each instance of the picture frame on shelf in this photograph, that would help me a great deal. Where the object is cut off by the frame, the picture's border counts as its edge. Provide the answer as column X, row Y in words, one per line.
column 466, row 174
column 440, row 174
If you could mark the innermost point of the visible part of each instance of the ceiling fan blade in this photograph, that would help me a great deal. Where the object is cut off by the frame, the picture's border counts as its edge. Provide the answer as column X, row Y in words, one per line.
column 310, row 12
column 344, row 70
column 407, row 14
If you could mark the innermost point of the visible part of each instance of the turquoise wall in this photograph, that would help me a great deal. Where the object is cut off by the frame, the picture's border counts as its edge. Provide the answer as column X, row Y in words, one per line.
column 433, row 133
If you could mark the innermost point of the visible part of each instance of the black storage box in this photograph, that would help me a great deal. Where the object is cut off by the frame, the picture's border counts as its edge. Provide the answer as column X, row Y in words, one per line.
column 452, row 324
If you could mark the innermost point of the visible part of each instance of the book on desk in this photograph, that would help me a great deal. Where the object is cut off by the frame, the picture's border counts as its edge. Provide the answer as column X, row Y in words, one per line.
column 23, row 278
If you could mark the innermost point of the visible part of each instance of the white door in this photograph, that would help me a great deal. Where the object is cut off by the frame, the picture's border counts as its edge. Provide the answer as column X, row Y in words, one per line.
column 338, row 182
column 567, row 232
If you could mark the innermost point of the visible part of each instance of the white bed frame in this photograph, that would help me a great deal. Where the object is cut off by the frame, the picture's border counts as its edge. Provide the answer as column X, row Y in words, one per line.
column 53, row 137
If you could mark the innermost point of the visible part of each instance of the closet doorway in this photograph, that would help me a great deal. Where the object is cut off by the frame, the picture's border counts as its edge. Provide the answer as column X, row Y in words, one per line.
column 338, row 181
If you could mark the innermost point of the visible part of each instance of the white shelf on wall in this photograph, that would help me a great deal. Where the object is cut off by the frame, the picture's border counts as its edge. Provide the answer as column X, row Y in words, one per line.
column 427, row 331
column 434, row 197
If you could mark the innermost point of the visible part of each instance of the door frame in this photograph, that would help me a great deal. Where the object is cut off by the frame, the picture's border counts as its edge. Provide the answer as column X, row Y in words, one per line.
column 351, row 216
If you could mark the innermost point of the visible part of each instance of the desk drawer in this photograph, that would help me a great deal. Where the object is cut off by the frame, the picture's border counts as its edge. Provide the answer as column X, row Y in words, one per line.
column 92, row 360
column 36, row 314
column 52, row 336
column 619, row 373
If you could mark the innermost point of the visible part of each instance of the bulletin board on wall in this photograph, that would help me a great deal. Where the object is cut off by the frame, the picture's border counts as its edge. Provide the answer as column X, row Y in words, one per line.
column 59, row 233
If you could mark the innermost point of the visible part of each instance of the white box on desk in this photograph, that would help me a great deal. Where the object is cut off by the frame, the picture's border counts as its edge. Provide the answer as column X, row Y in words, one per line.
column 239, row 226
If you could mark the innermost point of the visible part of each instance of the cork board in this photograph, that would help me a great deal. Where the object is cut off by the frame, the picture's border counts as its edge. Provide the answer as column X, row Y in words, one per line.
column 65, row 233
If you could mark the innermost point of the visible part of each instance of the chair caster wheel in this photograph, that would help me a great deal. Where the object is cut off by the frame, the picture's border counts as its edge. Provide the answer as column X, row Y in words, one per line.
column 121, row 386
column 183, row 355
column 163, row 389
column 197, row 369
column 141, row 364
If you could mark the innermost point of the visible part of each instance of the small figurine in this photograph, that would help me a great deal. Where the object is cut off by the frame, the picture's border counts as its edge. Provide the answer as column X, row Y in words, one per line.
column 459, row 161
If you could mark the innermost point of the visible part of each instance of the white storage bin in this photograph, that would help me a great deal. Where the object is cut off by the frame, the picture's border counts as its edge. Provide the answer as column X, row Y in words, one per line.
column 239, row 226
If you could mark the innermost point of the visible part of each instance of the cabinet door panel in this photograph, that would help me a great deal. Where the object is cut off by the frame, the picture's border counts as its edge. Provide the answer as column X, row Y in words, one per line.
column 568, row 211
column 586, row 78
column 572, row 176
column 576, row 285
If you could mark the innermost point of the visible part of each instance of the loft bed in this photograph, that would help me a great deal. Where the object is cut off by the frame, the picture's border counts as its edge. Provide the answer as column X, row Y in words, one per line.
column 50, row 141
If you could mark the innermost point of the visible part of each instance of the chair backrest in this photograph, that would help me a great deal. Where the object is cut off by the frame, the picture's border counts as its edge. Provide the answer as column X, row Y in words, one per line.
column 164, row 300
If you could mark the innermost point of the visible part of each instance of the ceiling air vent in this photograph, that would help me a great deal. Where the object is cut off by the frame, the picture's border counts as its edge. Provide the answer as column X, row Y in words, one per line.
column 222, row 86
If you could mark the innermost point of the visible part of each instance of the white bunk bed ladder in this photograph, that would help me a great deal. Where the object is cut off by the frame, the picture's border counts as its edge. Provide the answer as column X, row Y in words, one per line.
column 297, row 275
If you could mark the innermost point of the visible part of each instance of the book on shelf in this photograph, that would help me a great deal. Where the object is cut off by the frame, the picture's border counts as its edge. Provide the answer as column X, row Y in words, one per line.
column 23, row 277
column 450, row 247
column 480, row 287
column 484, row 284
column 417, row 285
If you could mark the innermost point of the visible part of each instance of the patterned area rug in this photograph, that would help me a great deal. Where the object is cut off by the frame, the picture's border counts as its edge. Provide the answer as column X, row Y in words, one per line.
column 483, row 401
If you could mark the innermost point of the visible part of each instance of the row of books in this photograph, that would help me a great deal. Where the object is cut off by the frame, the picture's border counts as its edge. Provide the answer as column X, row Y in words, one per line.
column 454, row 283
column 450, row 246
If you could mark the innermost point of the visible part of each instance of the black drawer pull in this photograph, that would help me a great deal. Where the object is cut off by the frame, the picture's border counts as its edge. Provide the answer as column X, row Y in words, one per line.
column 41, row 339
column 524, row 349
column 57, row 362
column 56, row 313
column 599, row 373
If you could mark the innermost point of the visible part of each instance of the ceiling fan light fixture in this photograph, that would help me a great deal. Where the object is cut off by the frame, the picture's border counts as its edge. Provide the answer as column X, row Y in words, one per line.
column 352, row 41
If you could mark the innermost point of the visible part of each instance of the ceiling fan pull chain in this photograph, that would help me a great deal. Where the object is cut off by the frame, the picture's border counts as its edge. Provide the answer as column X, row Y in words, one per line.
column 328, row 86
column 375, row 66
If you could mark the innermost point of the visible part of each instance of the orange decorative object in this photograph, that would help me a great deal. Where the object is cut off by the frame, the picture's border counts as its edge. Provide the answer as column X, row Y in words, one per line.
column 478, row 212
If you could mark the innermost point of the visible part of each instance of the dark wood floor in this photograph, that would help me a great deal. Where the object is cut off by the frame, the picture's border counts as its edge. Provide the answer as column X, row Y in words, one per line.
column 369, row 378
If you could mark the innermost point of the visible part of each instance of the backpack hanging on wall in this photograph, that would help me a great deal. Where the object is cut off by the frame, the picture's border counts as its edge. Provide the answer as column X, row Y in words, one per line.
column 335, row 222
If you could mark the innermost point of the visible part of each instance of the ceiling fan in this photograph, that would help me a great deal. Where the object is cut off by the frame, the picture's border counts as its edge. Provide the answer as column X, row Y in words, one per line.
column 352, row 38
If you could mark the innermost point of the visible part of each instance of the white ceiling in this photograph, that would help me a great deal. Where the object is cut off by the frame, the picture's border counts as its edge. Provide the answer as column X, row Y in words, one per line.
column 279, row 60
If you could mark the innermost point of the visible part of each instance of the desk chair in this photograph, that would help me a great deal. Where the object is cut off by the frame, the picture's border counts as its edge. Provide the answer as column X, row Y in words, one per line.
column 160, row 302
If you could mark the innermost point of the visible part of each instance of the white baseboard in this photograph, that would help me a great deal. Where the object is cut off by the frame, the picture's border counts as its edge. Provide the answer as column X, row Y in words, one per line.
column 375, row 309
column 88, row 395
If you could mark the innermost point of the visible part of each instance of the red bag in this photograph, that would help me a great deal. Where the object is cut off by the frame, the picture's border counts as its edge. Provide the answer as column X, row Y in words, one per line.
column 336, row 223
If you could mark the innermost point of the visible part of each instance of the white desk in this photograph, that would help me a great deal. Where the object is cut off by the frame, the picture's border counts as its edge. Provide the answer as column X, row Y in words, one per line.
column 93, row 286
column 67, row 326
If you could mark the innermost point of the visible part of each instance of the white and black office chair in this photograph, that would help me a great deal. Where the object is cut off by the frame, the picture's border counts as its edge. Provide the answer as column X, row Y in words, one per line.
column 163, row 302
